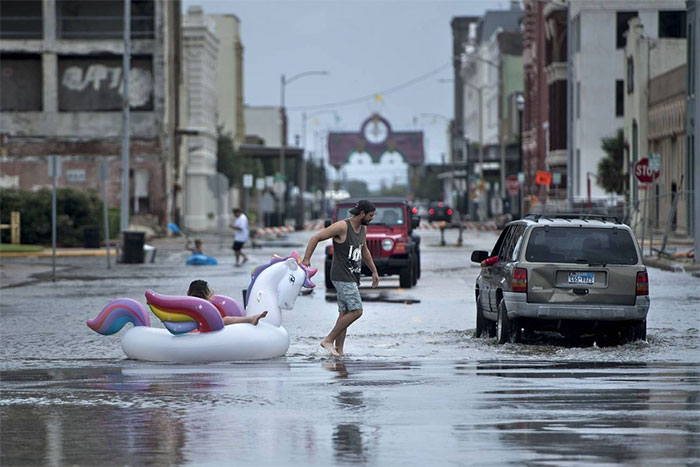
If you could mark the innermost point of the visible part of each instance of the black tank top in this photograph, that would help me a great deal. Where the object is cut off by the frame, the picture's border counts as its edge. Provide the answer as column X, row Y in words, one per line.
column 347, row 256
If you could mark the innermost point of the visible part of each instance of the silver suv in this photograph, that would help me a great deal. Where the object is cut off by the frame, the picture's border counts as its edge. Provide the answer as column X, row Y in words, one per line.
column 573, row 274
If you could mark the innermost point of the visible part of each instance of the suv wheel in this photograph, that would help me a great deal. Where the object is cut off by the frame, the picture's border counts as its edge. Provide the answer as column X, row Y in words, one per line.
column 480, row 321
column 415, row 270
column 507, row 330
column 327, row 270
column 406, row 276
column 418, row 265
column 503, row 324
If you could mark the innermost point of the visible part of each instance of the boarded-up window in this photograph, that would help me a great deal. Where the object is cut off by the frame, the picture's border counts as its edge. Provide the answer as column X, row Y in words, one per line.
column 672, row 24
column 103, row 19
column 20, row 82
column 21, row 20
column 95, row 83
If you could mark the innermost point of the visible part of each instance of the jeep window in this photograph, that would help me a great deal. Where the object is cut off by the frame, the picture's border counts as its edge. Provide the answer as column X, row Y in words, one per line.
column 385, row 215
column 499, row 242
column 581, row 245
column 508, row 250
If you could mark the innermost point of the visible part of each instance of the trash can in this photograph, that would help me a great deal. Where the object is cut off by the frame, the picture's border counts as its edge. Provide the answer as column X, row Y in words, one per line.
column 91, row 236
column 132, row 250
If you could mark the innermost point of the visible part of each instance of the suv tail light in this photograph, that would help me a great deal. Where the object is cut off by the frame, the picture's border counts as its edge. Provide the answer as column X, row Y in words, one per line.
column 642, row 283
column 432, row 211
column 449, row 212
column 519, row 281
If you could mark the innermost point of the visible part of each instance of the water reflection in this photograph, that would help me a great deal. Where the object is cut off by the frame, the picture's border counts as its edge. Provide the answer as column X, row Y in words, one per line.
column 556, row 410
column 348, row 445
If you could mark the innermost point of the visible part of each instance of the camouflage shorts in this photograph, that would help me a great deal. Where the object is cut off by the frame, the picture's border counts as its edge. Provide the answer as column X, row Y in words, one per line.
column 348, row 296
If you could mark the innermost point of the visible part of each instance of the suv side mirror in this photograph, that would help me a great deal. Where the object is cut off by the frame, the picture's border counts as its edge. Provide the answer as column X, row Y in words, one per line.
column 327, row 223
column 479, row 255
column 415, row 221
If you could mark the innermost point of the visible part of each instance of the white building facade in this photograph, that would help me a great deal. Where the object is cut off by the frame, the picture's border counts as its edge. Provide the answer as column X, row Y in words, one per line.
column 598, row 74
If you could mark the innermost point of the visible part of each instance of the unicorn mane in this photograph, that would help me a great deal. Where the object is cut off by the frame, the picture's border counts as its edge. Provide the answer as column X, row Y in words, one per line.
column 255, row 273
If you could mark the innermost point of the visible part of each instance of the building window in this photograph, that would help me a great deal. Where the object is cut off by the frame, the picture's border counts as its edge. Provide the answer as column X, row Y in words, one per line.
column 21, row 82
column 630, row 75
column 690, row 60
column 619, row 98
column 577, row 33
column 103, row 19
column 578, row 99
column 21, row 20
column 672, row 24
column 623, row 18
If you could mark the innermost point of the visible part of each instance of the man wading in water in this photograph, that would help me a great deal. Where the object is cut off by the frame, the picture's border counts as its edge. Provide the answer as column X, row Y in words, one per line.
column 349, row 250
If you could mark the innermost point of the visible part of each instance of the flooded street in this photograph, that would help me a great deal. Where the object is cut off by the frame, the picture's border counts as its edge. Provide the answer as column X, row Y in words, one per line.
column 415, row 388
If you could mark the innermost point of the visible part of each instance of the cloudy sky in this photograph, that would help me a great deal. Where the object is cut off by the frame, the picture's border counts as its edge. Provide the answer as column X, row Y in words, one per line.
column 367, row 47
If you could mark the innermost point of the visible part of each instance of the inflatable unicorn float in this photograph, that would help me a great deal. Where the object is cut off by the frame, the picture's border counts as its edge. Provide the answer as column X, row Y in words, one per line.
column 194, row 328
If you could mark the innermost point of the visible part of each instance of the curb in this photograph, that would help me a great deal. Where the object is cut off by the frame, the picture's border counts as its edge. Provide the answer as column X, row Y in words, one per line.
column 673, row 266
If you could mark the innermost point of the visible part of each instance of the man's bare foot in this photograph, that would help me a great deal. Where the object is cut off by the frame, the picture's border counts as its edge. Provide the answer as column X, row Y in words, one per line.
column 329, row 347
column 339, row 350
column 256, row 318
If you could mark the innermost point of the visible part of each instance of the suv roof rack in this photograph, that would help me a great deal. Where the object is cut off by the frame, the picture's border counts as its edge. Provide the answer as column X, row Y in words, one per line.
column 573, row 216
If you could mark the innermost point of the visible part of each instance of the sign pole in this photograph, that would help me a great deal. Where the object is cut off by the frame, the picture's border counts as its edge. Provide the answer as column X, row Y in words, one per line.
column 54, row 174
column 103, row 178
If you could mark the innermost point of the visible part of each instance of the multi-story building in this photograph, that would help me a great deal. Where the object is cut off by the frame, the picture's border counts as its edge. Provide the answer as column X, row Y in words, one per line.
column 62, row 86
column 598, row 72
column 654, row 106
column 229, row 77
column 692, row 119
column 536, row 94
column 492, row 75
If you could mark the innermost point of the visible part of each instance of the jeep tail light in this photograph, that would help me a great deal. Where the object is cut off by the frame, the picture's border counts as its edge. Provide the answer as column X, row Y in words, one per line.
column 449, row 212
column 414, row 210
column 519, row 281
column 642, row 283
column 431, row 211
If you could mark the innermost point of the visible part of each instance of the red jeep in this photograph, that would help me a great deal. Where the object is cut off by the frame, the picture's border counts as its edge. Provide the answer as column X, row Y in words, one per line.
column 395, row 247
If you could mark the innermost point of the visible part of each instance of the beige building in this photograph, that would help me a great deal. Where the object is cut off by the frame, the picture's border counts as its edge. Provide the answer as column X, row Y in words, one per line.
column 654, row 116
column 229, row 76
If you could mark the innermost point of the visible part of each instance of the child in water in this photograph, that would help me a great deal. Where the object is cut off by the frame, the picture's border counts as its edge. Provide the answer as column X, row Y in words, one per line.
column 200, row 288
column 197, row 248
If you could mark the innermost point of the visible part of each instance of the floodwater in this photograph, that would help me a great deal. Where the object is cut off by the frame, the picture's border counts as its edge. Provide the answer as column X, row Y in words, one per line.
column 415, row 388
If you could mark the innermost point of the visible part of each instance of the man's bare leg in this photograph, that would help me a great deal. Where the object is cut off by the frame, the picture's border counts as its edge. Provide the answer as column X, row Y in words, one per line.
column 344, row 320
column 340, row 341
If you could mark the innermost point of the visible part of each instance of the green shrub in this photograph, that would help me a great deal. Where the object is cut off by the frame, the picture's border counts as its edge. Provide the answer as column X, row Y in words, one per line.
column 75, row 210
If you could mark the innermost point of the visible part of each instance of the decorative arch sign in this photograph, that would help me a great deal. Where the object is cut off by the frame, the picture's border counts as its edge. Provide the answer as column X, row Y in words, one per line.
column 376, row 137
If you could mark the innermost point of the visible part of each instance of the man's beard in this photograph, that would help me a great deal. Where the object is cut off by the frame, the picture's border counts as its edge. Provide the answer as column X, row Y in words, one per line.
column 365, row 221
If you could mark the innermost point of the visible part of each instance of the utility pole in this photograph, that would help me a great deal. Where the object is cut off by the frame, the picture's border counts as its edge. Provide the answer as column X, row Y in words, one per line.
column 126, row 66
column 569, row 115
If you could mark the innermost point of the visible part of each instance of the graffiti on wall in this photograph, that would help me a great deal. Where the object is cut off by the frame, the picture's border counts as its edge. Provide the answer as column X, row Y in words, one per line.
column 99, row 84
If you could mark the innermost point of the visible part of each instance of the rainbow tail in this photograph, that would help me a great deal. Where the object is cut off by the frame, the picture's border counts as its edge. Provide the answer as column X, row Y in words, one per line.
column 116, row 314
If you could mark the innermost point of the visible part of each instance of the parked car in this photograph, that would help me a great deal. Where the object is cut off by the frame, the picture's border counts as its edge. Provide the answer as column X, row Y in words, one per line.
column 439, row 211
column 573, row 274
column 391, row 239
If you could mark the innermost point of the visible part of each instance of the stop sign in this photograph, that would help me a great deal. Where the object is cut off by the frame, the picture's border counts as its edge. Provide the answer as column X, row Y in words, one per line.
column 643, row 171
column 512, row 184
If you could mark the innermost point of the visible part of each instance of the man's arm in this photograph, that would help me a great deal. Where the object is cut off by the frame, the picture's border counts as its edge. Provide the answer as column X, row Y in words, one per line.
column 367, row 258
column 333, row 230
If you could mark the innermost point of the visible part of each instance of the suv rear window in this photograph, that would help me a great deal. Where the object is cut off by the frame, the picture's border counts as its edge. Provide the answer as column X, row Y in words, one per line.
column 385, row 215
column 579, row 245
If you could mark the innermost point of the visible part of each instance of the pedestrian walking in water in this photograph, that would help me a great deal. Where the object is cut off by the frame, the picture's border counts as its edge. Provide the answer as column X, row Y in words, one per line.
column 349, row 250
column 240, row 225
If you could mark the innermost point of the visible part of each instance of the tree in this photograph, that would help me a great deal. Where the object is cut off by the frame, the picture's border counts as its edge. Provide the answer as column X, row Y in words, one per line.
column 610, row 175
column 230, row 162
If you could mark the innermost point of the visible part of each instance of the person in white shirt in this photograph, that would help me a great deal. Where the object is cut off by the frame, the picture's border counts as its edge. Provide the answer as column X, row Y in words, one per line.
column 240, row 225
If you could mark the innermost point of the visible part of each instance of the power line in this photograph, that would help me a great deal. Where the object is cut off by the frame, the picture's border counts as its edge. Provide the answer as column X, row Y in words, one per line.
column 391, row 90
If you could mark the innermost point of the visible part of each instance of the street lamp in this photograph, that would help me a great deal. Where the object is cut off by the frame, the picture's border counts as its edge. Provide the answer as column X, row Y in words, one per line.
column 520, row 102
column 300, row 203
column 284, row 81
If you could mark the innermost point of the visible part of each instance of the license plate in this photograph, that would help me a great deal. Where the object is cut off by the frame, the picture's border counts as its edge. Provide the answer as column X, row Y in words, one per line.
column 581, row 278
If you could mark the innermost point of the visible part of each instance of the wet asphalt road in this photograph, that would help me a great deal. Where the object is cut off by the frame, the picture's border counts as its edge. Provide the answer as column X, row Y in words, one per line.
column 415, row 387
